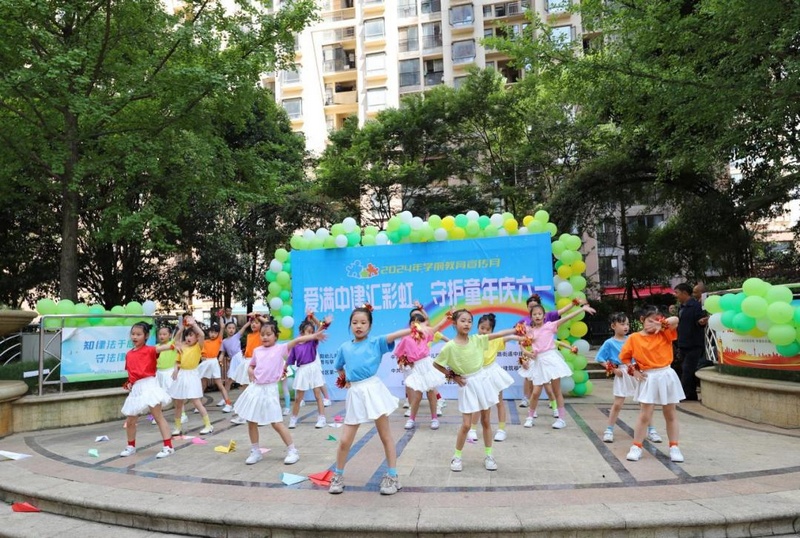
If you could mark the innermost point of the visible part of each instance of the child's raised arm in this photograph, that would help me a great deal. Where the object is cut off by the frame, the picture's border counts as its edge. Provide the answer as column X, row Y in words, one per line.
column 319, row 335
column 201, row 337
column 391, row 337
column 240, row 332
column 164, row 347
column 503, row 333
column 584, row 308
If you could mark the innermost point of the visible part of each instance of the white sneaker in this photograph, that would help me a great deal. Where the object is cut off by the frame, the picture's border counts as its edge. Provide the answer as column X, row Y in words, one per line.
column 326, row 402
column 207, row 430
column 292, row 422
column 254, row 457
column 176, row 432
column 456, row 465
column 528, row 422
column 555, row 413
column 196, row 411
column 653, row 436
column 390, row 485
column 407, row 413
column 165, row 451
column 292, row 456
column 409, row 424
column 227, row 408
column 523, row 403
column 337, row 484
column 634, row 454
column 500, row 435
column 675, row 454
column 535, row 414
column 434, row 424
column 608, row 436
column 321, row 422
column 472, row 435
column 440, row 403
column 489, row 463
column 286, row 411
column 221, row 403
column 129, row 451
column 184, row 418
column 406, row 405
column 237, row 420
column 559, row 424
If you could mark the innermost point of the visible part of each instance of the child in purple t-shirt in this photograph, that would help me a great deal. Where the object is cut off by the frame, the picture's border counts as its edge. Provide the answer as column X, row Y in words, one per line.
column 309, row 371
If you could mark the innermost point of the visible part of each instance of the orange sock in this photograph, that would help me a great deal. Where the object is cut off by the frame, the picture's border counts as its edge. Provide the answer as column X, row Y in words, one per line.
column 637, row 444
column 673, row 443
column 228, row 402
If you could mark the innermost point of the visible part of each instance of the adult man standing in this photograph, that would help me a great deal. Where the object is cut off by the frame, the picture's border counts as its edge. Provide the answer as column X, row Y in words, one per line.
column 691, row 337
column 227, row 317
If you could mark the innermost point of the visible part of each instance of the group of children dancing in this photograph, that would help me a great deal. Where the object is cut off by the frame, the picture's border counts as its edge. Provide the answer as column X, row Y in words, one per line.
column 640, row 365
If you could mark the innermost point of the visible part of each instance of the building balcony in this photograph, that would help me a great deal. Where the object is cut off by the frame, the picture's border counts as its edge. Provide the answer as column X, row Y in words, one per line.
column 339, row 35
column 434, row 79
column 408, row 45
column 504, row 10
column 337, row 66
column 430, row 42
column 342, row 98
column 409, row 80
column 339, row 15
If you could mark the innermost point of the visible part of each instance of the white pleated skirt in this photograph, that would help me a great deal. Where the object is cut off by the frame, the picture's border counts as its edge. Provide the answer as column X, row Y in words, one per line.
column 661, row 386
column 239, row 369
column 625, row 385
column 499, row 378
column 478, row 394
column 145, row 393
column 424, row 376
column 309, row 376
column 209, row 368
column 164, row 378
column 260, row 404
column 368, row 400
column 188, row 386
column 547, row 366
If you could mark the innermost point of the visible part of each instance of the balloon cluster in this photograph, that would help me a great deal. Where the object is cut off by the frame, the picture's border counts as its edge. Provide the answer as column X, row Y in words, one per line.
column 135, row 310
column 279, row 290
column 578, row 384
column 759, row 310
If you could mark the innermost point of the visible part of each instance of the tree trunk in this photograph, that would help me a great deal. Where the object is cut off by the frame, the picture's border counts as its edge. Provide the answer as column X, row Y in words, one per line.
column 70, row 211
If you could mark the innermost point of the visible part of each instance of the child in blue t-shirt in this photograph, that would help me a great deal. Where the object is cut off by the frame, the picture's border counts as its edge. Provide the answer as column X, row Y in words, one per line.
column 624, row 384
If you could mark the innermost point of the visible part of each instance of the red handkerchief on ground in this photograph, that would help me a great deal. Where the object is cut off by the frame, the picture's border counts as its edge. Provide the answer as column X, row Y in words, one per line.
column 26, row 507
column 322, row 479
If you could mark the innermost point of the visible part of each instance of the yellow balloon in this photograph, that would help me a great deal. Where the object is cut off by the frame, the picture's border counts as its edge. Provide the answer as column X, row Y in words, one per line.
column 578, row 267
column 285, row 333
column 448, row 223
column 527, row 220
column 459, row 233
column 561, row 303
column 511, row 225
column 565, row 271
column 578, row 329
column 757, row 333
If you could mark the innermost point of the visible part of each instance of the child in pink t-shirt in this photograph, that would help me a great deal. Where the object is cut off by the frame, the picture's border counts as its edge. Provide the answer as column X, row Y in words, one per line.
column 260, row 402
column 541, row 363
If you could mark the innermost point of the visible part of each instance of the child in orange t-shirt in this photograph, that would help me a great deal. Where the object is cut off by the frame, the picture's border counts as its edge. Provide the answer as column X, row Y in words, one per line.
column 210, row 367
column 658, row 383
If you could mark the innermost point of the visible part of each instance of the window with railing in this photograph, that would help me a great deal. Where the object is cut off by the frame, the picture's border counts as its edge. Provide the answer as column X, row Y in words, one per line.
column 431, row 6
column 409, row 73
column 647, row 222
column 562, row 36
column 459, row 81
column 293, row 107
column 608, row 269
column 431, row 35
column 462, row 15
column 376, row 63
column 374, row 29
column 335, row 59
column 408, row 39
column 463, row 51
column 434, row 72
column 290, row 77
column 407, row 8
column 607, row 234
column 376, row 98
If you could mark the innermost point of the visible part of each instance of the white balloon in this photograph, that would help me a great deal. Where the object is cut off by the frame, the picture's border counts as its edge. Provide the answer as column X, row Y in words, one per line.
column 406, row 217
column 322, row 233
column 275, row 303
column 564, row 289
column 582, row 345
column 496, row 220
column 275, row 266
column 148, row 308
column 341, row 240
column 763, row 324
column 416, row 223
column 502, row 232
column 287, row 321
column 472, row 214
column 440, row 234
column 309, row 234
column 557, row 280
column 567, row 384
column 381, row 238
column 715, row 322
column 349, row 224
column 522, row 231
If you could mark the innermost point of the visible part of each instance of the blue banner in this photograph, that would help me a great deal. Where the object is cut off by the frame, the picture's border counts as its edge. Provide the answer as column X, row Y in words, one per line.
column 492, row 275
column 92, row 353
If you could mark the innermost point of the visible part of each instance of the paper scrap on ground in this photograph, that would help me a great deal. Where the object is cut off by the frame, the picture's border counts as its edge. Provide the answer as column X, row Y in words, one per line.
column 226, row 449
column 470, row 441
column 322, row 479
column 101, row 438
column 331, row 438
column 186, row 437
column 6, row 455
column 24, row 507
column 264, row 450
column 335, row 425
column 338, row 418
column 290, row 479
column 94, row 453
column 198, row 441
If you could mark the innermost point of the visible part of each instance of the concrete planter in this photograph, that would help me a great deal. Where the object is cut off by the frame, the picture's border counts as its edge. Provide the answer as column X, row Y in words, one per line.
column 12, row 321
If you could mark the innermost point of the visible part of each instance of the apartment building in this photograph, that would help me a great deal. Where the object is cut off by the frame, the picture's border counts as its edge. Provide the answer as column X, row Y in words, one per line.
column 365, row 55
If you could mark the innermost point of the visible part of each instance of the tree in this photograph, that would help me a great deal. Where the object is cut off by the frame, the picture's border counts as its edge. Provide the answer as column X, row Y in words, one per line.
column 85, row 82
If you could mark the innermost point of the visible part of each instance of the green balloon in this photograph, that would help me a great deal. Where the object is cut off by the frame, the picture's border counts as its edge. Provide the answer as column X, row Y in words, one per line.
column 371, row 230
column 274, row 288
column 270, row 275
column 484, row 221
column 551, row 228
column 743, row 323
column 287, row 267
column 65, row 306
column 580, row 389
column 780, row 313
column 755, row 286
column 728, row 317
column 473, row 229
column 580, row 376
column 712, row 304
column 569, row 256
column 779, row 294
column 589, row 388
column 283, row 279
column 558, row 248
column 134, row 308
column 299, row 242
column 579, row 362
column 536, row 227
column 578, row 282
column 394, row 236
column 393, row 224
column 353, row 238
column 46, row 307
column 285, row 295
column 541, row 216
column 286, row 310
column 563, row 332
column 368, row 240
column 315, row 244
column 404, row 230
column 461, row 221
column 754, row 306
column 329, row 242
column 490, row 231
column 96, row 309
column 789, row 350
column 781, row 335
column 281, row 255
column 435, row 221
